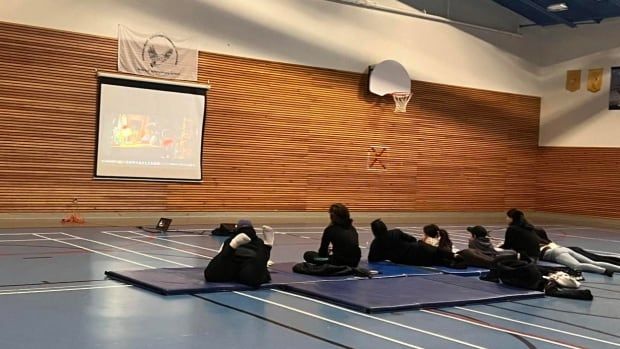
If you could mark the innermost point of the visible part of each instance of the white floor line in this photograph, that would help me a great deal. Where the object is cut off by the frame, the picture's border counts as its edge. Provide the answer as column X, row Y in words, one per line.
column 539, row 326
column 380, row 319
column 97, row 252
column 330, row 321
column 49, row 288
column 127, row 250
column 517, row 333
column 16, row 234
column 589, row 238
column 159, row 245
column 24, row 240
column 176, row 242
column 62, row 290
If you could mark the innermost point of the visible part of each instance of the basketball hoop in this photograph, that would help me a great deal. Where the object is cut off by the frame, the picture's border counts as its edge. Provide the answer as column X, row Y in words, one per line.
column 400, row 100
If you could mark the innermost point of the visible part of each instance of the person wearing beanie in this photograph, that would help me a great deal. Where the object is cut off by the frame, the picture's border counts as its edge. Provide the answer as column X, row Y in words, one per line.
column 480, row 241
column 527, row 239
column 343, row 238
column 243, row 257
column 399, row 247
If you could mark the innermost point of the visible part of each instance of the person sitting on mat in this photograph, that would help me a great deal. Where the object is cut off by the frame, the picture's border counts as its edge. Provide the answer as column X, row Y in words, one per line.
column 534, row 242
column 398, row 247
column 243, row 257
column 435, row 236
column 342, row 236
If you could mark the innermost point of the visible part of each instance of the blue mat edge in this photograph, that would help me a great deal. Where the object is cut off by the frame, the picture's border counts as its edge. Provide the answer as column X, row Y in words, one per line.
column 120, row 277
column 293, row 289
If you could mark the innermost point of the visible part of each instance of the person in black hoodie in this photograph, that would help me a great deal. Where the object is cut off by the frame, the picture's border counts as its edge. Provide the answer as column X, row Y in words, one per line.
column 342, row 236
column 242, row 258
column 534, row 242
column 398, row 247
column 522, row 236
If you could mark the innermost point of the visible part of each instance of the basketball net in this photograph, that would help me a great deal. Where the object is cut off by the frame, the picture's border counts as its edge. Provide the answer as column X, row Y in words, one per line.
column 400, row 100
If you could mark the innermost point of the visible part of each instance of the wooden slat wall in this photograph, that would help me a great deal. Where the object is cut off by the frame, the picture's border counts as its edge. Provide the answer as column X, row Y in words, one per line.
column 584, row 181
column 278, row 137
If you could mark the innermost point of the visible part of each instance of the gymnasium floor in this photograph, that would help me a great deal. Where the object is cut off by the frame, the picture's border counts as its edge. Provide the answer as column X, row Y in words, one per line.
column 53, row 294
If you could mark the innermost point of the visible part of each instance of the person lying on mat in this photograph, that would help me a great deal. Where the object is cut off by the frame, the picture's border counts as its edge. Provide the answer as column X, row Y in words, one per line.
column 480, row 241
column 435, row 236
column 342, row 236
column 398, row 247
column 243, row 257
column 480, row 251
column 527, row 239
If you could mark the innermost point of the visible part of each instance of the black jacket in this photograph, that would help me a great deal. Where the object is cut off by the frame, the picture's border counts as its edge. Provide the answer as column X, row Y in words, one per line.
column 525, row 240
column 393, row 245
column 345, row 244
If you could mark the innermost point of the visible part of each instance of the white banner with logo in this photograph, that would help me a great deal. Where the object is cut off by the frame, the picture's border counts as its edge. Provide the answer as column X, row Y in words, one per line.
column 155, row 55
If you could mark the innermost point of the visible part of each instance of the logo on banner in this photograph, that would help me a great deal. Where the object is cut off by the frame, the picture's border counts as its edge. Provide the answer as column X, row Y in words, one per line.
column 155, row 55
column 159, row 49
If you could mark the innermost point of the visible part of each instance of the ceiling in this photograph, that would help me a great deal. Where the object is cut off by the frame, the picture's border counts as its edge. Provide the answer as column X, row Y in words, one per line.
column 578, row 12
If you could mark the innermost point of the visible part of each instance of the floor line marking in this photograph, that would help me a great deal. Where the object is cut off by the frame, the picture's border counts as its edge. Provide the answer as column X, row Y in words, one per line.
column 154, row 244
column 499, row 329
column 14, row 234
column 63, row 290
column 174, row 241
column 128, row 250
column 24, row 240
column 380, row 319
column 539, row 326
column 97, row 252
column 49, row 288
column 330, row 320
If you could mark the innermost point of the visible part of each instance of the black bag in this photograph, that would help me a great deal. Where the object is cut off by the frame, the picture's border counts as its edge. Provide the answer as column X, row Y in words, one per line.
column 330, row 270
column 225, row 229
column 522, row 274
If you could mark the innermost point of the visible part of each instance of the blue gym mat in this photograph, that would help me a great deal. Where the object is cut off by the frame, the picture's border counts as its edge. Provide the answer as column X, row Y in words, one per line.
column 469, row 271
column 173, row 281
column 392, row 294
column 384, row 269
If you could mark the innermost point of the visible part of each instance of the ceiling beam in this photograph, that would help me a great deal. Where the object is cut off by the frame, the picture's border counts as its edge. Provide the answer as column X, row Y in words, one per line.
column 592, row 13
column 531, row 4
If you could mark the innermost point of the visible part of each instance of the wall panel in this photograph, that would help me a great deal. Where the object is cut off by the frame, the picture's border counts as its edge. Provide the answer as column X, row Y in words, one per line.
column 584, row 181
column 278, row 137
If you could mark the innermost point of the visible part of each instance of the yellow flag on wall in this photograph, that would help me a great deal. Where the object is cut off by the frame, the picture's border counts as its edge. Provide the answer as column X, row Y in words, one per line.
column 573, row 80
column 595, row 79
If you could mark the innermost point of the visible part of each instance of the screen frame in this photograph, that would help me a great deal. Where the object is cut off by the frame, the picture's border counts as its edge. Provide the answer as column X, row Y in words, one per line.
column 151, row 84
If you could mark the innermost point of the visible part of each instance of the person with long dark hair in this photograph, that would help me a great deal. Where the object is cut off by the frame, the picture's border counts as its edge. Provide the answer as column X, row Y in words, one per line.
column 435, row 236
column 532, row 241
column 343, row 238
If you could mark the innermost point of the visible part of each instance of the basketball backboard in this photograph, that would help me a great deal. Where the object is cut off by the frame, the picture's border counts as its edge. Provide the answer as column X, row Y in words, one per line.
column 388, row 77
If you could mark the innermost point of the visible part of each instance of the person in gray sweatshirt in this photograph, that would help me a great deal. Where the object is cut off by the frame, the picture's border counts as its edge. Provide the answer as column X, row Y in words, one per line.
column 480, row 241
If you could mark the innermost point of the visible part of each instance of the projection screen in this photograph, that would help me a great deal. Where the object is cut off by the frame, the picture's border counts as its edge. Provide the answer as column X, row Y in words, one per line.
column 150, row 130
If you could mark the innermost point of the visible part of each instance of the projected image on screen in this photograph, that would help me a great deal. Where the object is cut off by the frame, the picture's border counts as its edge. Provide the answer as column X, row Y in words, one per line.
column 149, row 131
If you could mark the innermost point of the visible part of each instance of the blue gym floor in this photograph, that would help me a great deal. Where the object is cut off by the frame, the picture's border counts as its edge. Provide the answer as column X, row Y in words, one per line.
column 53, row 294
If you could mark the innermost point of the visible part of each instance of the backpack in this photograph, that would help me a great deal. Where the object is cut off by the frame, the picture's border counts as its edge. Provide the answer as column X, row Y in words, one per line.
column 225, row 229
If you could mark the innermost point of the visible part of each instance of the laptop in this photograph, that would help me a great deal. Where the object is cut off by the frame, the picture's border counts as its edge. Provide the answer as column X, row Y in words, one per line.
column 163, row 225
